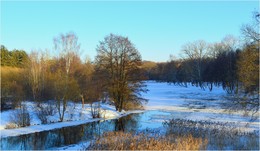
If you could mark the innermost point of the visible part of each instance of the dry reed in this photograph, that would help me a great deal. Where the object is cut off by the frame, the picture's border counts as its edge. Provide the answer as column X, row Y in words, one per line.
column 128, row 141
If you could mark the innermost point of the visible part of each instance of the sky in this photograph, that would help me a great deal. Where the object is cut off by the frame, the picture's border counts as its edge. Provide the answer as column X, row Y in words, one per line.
column 157, row 29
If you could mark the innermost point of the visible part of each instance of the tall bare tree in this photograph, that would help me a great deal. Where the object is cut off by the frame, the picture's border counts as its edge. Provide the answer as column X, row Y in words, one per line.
column 36, row 76
column 248, row 63
column 67, row 46
column 119, row 61
column 83, row 73
column 196, row 52
column 251, row 31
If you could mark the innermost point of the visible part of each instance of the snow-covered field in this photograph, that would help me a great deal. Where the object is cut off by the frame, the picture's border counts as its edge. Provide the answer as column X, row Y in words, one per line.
column 193, row 103
column 165, row 101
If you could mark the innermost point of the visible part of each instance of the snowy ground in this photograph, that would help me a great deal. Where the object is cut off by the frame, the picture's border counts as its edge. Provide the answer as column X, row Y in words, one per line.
column 73, row 117
column 193, row 103
column 165, row 101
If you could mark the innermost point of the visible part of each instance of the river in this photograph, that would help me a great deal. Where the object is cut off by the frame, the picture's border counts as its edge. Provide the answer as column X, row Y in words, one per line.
column 195, row 111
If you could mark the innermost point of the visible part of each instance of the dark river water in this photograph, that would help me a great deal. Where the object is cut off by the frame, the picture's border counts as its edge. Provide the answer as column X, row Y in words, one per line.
column 131, row 123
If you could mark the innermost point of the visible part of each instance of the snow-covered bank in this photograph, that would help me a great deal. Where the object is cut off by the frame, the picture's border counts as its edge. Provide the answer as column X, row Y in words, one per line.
column 76, row 117
column 42, row 127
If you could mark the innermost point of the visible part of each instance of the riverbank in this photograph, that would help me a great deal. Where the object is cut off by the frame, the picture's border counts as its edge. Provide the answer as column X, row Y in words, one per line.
column 77, row 117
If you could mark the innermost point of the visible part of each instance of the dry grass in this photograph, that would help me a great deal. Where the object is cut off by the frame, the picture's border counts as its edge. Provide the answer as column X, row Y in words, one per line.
column 128, row 141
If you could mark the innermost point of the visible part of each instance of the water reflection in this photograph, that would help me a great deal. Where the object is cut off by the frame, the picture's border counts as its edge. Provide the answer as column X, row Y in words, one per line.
column 68, row 135
column 128, row 124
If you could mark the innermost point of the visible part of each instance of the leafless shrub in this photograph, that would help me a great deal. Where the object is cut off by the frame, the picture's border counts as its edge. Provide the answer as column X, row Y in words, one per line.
column 128, row 141
column 248, row 104
column 95, row 110
column 45, row 110
column 21, row 117
column 71, row 108
column 51, row 108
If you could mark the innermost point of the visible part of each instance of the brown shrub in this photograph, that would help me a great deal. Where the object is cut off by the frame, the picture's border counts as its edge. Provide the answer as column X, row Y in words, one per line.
column 128, row 141
column 11, row 126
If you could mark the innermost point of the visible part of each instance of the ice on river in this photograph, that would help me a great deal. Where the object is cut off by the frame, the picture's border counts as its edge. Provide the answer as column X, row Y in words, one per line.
column 192, row 103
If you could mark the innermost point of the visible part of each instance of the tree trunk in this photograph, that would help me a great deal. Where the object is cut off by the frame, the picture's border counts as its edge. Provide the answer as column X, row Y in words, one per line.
column 82, row 100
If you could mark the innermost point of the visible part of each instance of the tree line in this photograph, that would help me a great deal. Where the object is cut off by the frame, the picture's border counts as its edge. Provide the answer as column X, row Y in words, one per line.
column 227, row 67
column 65, row 77
column 203, row 65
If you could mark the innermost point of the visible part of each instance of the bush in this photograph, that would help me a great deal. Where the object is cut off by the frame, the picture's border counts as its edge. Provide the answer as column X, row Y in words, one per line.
column 10, row 126
column 21, row 117
column 128, row 141
column 45, row 110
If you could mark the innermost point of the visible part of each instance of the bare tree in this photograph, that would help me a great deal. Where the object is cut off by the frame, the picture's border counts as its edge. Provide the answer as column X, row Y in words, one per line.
column 248, row 66
column 196, row 52
column 215, row 49
column 248, row 62
column 67, row 45
column 83, row 72
column 37, row 68
column 119, row 61
column 251, row 31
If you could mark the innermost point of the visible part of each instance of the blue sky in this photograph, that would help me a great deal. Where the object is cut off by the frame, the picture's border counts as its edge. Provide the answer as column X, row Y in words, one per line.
column 157, row 29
